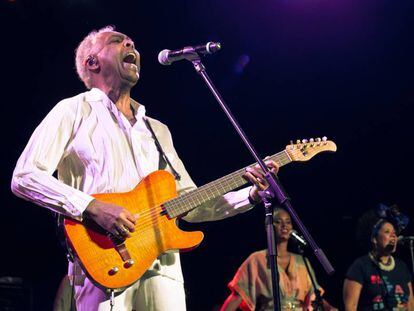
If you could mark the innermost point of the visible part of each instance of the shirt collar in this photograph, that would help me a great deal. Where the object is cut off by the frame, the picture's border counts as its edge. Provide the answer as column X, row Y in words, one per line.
column 138, row 108
column 96, row 94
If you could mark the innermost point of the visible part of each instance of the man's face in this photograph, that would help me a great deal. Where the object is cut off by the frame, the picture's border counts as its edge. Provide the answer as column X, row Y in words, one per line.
column 118, row 60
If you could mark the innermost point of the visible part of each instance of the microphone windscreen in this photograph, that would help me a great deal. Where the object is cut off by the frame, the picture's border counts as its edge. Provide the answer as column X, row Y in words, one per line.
column 163, row 57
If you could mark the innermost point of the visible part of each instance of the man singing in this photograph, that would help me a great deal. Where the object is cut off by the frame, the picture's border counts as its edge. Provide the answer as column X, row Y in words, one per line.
column 99, row 142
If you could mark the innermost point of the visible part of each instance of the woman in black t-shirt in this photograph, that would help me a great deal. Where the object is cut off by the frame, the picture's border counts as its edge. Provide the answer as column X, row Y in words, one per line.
column 378, row 281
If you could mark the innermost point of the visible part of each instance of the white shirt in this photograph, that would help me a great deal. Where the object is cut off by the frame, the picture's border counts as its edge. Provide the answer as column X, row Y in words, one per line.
column 95, row 149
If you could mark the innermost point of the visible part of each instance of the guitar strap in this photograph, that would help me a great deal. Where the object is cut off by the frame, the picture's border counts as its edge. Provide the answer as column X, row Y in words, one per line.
column 163, row 159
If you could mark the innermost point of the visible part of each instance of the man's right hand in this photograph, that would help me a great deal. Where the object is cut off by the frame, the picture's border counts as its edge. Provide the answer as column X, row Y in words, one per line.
column 113, row 218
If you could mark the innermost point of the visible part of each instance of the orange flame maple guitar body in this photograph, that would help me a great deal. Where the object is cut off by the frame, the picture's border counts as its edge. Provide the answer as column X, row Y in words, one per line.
column 154, row 234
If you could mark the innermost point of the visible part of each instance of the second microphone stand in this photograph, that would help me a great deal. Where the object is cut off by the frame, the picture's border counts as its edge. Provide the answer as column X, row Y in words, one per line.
column 317, row 304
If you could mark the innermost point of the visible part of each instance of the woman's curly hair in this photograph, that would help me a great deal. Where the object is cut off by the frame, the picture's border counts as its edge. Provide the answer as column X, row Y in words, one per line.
column 372, row 220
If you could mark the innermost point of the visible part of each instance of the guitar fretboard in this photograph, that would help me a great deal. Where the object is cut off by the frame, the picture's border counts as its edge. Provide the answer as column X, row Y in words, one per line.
column 214, row 189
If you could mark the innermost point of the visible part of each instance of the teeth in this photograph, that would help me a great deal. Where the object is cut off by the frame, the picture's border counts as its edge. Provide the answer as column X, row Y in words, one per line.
column 130, row 58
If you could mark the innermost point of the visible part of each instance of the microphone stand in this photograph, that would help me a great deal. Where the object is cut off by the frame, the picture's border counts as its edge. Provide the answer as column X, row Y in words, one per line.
column 317, row 304
column 274, row 191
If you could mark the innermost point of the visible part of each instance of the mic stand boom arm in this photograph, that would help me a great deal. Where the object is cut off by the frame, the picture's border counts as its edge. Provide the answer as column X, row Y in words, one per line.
column 274, row 190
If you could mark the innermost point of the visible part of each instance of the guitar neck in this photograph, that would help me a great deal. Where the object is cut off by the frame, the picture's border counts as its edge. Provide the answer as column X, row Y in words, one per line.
column 214, row 189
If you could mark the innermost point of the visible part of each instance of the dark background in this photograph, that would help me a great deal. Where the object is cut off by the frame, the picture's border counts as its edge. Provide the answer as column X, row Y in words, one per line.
column 289, row 69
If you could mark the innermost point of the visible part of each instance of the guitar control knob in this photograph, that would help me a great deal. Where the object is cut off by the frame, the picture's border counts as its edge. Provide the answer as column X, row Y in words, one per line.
column 129, row 263
column 113, row 271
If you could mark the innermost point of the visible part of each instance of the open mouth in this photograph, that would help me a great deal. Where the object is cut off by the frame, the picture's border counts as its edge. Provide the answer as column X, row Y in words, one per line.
column 130, row 58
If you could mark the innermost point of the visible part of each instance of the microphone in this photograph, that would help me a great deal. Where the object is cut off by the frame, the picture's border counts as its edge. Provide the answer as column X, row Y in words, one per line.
column 167, row 57
column 298, row 237
column 404, row 239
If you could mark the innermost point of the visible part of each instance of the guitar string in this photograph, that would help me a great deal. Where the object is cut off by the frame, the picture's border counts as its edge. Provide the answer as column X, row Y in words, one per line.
column 148, row 215
column 212, row 187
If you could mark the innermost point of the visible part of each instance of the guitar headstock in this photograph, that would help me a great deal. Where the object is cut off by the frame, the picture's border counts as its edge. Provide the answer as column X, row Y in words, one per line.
column 306, row 149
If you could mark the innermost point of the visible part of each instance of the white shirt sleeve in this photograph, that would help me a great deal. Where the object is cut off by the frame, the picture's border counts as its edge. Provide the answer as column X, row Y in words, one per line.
column 230, row 204
column 33, row 176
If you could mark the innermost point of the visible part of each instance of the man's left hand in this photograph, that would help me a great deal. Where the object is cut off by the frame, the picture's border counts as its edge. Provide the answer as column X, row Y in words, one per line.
column 255, row 175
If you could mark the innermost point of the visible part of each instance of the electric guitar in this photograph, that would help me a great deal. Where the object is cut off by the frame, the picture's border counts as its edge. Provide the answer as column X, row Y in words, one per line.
column 113, row 263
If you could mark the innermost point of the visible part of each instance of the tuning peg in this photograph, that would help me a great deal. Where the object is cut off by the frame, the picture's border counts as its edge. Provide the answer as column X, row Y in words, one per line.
column 297, row 141
column 324, row 139
column 304, row 141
